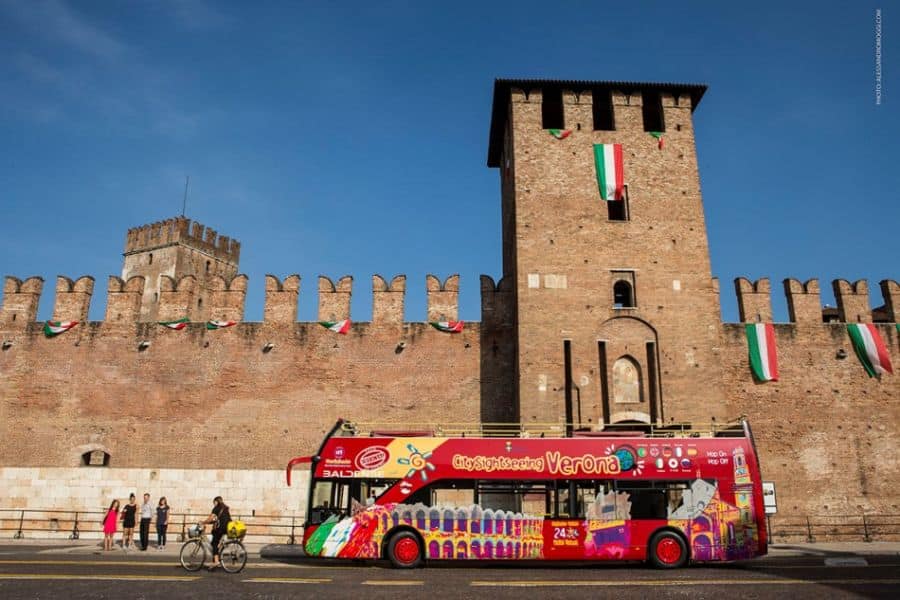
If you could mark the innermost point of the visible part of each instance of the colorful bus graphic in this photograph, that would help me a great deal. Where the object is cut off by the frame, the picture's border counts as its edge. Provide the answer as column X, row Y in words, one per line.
column 668, row 496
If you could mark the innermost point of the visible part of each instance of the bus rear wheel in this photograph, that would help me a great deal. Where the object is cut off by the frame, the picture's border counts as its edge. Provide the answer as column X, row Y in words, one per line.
column 404, row 550
column 668, row 550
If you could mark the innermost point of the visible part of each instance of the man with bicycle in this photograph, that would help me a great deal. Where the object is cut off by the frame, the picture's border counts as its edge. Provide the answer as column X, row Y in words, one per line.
column 219, row 518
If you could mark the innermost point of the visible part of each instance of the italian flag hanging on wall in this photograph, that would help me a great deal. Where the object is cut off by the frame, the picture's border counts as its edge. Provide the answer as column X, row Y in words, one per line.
column 341, row 327
column 763, row 357
column 610, row 175
column 560, row 134
column 448, row 326
column 659, row 136
column 219, row 324
column 870, row 348
column 52, row 328
column 177, row 325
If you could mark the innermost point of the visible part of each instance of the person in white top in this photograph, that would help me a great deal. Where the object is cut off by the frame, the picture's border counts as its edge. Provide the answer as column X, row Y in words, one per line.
column 146, row 517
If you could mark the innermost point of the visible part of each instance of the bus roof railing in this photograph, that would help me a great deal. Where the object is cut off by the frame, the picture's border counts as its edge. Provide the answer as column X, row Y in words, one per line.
column 732, row 428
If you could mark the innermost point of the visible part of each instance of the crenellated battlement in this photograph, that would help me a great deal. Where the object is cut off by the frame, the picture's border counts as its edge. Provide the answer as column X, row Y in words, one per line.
column 20, row 300
column 443, row 298
column 181, row 230
column 588, row 105
column 805, row 304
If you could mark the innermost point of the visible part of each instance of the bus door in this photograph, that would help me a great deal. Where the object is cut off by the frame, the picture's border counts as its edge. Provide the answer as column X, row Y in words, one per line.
column 564, row 531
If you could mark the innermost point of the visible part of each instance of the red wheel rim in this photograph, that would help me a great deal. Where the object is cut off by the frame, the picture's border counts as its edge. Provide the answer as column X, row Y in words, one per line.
column 668, row 550
column 406, row 550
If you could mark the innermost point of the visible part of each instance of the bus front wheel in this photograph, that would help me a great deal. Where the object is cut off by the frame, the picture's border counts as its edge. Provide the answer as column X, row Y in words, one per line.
column 404, row 550
column 668, row 550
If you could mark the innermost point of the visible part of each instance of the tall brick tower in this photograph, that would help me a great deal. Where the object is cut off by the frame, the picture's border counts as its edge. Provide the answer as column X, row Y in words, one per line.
column 177, row 248
column 617, row 315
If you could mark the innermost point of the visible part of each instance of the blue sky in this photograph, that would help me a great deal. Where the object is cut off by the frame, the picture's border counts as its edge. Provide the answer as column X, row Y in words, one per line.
column 351, row 138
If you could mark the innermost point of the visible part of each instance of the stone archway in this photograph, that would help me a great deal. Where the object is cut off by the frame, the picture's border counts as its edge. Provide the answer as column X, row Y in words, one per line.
column 629, row 370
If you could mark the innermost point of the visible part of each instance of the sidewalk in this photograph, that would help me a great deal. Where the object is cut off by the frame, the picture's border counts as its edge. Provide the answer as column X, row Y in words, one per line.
column 288, row 551
column 84, row 547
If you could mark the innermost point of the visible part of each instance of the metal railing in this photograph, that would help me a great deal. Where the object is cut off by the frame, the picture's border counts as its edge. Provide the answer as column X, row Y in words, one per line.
column 538, row 430
column 73, row 524
column 835, row 528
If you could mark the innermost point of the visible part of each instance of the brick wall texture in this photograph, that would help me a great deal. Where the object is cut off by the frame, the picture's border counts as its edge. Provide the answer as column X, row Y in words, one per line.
column 250, row 397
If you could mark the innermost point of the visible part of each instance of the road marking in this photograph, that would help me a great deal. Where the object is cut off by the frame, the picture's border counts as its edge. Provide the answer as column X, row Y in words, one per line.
column 811, row 567
column 46, row 576
column 107, row 563
column 846, row 561
column 286, row 580
column 138, row 563
column 392, row 582
column 682, row 582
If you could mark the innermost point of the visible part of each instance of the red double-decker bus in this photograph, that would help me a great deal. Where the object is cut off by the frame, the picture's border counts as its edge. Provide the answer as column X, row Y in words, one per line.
column 665, row 495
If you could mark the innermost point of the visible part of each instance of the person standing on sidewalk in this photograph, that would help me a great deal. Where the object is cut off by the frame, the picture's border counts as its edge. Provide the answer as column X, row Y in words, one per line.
column 128, row 514
column 109, row 525
column 162, row 523
column 146, row 517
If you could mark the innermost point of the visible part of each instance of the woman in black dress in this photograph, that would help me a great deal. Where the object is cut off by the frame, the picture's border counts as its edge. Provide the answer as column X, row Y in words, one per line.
column 128, row 512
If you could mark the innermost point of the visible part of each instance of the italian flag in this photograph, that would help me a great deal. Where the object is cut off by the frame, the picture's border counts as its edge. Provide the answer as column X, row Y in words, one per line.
column 659, row 136
column 448, row 326
column 763, row 358
column 610, row 175
column 52, row 328
column 870, row 348
column 178, row 325
column 219, row 324
column 341, row 327
column 560, row 134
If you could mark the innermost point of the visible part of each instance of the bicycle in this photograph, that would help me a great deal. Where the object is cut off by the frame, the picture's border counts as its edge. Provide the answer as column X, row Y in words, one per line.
column 232, row 554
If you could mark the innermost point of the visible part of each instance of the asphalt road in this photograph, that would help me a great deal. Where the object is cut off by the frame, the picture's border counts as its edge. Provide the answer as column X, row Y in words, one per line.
column 35, row 572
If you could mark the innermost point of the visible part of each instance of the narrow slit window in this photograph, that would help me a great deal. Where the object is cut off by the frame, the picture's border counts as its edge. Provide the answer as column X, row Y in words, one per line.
column 552, row 110
column 604, row 118
column 653, row 112
column 617, row 210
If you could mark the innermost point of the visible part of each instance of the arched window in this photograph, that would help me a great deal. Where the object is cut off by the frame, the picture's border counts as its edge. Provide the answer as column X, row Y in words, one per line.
column 623, row 295
column 207, row 266
column 150, row 261
column 626, row 380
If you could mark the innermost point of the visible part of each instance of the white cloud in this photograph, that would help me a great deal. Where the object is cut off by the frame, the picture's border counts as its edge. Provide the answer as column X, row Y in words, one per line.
column 197, row 15
column 55, row 21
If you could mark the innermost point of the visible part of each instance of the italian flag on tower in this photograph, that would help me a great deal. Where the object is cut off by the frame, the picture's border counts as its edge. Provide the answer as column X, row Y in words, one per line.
column 52, row 328
column 341, row 327
column 870, row 348
column 763, row 358
column 610, row 174
column 448, row 326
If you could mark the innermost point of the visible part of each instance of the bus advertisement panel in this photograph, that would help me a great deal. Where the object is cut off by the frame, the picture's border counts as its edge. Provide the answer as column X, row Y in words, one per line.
column 666, row 500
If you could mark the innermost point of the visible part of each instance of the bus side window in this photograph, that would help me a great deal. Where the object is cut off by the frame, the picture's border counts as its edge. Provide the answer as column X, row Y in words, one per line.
column 645, row 500
column 596, row 500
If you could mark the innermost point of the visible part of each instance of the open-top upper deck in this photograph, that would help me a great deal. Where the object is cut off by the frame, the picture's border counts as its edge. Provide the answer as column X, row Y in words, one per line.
column 734, row 428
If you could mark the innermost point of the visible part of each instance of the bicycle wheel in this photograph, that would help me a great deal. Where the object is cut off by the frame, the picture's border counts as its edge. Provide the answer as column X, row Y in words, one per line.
column 193, row 555
column 233, row 556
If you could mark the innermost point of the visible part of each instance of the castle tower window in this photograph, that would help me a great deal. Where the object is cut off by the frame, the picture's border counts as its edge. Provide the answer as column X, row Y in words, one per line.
column 150, row 259
column 552, row 110
column 604, row 117
column 617, row 210
column 207, row 266
column 623, row 289
column 653, row 112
